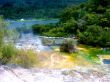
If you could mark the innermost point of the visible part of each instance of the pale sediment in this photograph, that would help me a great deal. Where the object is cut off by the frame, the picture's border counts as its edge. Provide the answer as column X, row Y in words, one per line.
column 78, row 74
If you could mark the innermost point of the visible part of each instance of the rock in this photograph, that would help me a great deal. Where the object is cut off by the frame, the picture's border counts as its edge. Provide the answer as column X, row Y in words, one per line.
column 18, row 74
column 8, row 76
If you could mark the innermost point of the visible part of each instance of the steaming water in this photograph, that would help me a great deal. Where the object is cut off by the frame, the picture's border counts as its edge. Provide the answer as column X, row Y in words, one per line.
column 28, row 40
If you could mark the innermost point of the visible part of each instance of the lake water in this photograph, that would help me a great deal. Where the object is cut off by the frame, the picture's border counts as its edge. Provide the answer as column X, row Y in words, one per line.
column 29, row 23
column 106, row 61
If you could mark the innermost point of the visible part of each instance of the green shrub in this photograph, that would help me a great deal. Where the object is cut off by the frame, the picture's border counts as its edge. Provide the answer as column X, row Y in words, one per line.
column 95, row 36
column 105, row 40
column 10, row 55
column 42, row 28
column 70, row 26
column 56, row 32
column 68, row 46
column 3, row 31
column 7, row 53
column 25, row 58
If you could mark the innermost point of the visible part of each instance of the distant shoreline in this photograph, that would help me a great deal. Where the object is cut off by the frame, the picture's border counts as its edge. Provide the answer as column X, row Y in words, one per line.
column 30, row 19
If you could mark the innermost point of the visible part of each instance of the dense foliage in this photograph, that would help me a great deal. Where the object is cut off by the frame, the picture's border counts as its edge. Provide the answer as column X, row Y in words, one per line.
column 7, row 51
column 68, row 46
column 89, row 22
column 34, row 8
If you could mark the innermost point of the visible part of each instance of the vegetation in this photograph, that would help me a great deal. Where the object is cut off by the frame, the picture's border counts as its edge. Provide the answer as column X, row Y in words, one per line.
column 25, row 58
column 8, row 52
column 68, row 46
column 89, row 22
column 40, row 29
column 91, row 53
column 34, row 8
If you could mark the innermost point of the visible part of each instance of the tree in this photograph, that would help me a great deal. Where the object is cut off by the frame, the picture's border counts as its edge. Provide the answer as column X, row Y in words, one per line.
column 92, row 35
column 103, row 3
column 91, row 18
column 105, row 40
column 70, row 26
column 69, row 13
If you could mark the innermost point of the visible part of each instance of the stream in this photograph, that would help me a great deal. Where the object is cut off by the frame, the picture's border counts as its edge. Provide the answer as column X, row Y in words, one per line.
column 27, row 39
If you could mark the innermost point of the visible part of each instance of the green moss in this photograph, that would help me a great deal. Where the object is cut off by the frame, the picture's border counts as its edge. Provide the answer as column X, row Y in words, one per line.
column 90, row 53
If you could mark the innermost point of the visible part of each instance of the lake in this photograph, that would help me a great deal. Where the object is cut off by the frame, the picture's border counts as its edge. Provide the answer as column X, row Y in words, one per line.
column 29, row 23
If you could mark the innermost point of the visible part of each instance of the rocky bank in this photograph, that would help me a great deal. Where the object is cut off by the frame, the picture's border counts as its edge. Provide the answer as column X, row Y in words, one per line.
column 78, row 74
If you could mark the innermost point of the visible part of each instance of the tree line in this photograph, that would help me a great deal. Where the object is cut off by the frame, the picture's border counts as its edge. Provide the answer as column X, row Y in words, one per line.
column 89, row 22
column 16, row 9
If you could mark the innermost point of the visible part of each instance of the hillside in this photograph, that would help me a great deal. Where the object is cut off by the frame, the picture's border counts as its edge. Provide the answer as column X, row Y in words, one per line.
column 34, row 8
column 89, row 22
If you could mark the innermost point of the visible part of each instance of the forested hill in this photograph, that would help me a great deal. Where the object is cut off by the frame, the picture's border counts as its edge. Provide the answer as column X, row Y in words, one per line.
column 34, row 8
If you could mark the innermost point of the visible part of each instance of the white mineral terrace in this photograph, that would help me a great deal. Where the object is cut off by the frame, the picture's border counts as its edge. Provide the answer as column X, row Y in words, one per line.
column 30, row 41
column 8, row 74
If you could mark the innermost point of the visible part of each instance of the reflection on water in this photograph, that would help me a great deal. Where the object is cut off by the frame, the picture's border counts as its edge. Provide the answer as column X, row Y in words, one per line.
column 29, row 23
column 106, row 61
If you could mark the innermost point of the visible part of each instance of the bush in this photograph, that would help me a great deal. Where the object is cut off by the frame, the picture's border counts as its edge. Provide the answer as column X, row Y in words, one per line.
column 25, row 59
column 70, row 26
column 42, row 28
column 56, row 32
column 68, row 46
column 10, row 55
column 105, row 40
column 92, row 35
column 7, row 53
column 3, row 31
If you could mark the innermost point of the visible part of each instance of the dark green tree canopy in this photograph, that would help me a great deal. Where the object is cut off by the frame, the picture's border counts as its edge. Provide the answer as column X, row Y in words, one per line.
column 34, row 8
column 89, row 22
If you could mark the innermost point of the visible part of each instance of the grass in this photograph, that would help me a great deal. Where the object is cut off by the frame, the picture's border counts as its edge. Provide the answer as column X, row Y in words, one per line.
column 7, row 51
column 25, row 58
